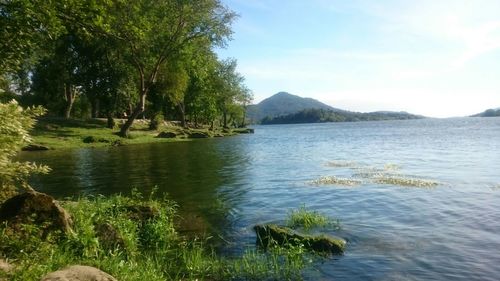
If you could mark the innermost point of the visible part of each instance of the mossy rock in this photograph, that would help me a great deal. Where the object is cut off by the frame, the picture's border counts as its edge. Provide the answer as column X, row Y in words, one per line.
column 35, row 147
column 92, row 139
column 199, row 135
column 271, row 234
column 167, row 135
column 35, row 208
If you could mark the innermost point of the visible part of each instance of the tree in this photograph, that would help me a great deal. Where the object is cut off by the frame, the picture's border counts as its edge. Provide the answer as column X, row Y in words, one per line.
column 15, row 122
column 230, row 89
column 154, row 31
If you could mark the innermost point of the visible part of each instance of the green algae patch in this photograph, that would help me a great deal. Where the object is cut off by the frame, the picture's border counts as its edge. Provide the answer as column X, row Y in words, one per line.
column 341, row 164
column 271, row 235
column 405, row 181
column 333, row 180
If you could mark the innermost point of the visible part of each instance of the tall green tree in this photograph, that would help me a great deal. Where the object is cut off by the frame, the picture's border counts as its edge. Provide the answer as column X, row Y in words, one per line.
column 152, row 32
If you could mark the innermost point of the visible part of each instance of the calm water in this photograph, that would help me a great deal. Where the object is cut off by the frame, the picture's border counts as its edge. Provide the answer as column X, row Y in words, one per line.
column 225, row 186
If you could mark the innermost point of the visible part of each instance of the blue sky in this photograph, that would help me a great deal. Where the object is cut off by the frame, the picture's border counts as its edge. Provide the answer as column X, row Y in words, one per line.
column 439, row 58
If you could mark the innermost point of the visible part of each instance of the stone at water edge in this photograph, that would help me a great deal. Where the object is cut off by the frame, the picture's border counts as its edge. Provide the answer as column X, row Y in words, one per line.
column 38, row 208
column 79, row 273
column 167, row 135
column 35, row 147
column 271, row 233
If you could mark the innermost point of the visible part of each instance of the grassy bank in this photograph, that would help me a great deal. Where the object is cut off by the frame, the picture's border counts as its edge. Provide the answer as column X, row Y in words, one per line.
column 144, row 250
column 58, row 133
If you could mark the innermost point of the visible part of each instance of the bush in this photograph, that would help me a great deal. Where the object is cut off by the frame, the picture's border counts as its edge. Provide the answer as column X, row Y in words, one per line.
column 15, row 123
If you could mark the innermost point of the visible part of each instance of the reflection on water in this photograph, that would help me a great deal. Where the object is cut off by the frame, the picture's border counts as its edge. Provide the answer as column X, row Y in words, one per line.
column 193, row 174
column 225, row 186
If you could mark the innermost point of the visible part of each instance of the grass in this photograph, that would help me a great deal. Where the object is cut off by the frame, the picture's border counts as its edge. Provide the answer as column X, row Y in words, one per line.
column 59, row 133
column 307, row 219
column 151, row 249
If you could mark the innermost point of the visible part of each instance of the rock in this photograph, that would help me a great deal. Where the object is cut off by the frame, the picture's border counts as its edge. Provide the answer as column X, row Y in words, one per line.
column 35, row 147
column 38, row 208
column 142, row 213
column 167, row 135
column 79, row 273
column 5, row 266
column 199, row 135
column 270, row 233
column 92, row 139
column 109, row 237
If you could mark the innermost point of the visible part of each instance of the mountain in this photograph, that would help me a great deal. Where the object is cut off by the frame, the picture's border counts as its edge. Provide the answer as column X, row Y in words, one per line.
column 326, row 115
column 283, row 103
column 488, row 113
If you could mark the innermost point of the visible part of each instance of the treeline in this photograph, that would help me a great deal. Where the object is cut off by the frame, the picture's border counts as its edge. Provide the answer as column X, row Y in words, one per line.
column 324, row 115
column 131, row 59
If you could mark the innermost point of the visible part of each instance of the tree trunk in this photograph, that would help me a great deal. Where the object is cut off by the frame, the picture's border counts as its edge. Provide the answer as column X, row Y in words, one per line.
column 124, row 131
column 182, row 109
column 244, row 121
column 95, row 108
column 69, row 95
column 110, row 120
column 224, row 119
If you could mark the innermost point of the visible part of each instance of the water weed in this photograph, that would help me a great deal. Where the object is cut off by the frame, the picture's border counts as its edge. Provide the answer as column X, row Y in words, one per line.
column 333, row 180
column 307, row 219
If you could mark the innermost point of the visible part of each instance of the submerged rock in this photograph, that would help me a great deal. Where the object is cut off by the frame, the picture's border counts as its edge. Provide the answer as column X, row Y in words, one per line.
column 79, row 273
column 35, row 147
column 271, row 233
column 35, row 208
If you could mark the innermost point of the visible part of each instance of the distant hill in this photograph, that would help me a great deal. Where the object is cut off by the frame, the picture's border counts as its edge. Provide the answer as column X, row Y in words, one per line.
column 488, row 113
column 283, row 103
column 326, row 115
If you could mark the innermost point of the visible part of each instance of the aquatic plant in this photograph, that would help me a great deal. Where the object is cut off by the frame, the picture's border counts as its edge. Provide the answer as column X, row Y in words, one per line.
column 405, row 181
column 333, row 180
column 305, row 218
column 341, row 164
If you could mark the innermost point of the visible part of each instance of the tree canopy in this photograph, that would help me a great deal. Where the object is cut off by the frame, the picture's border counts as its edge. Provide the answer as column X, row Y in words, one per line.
column 120, row 58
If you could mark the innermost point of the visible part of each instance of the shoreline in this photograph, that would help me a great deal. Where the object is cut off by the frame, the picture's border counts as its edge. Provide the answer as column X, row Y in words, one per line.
column 58, row 134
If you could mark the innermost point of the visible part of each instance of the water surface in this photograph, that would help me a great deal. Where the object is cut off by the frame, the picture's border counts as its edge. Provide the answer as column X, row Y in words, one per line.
column 225, row 186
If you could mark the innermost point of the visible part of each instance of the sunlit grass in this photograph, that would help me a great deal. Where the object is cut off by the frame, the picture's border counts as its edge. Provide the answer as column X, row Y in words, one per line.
column 151, row 250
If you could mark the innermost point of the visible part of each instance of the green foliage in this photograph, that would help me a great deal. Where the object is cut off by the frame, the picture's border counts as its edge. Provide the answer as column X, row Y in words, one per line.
column 152, row 250
column 307, row 219
column 15, row 122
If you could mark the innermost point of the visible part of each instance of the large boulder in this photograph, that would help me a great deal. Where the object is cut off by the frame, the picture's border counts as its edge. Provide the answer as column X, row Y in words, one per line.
column 271, row 234
column 35, row 208
column 79, row 273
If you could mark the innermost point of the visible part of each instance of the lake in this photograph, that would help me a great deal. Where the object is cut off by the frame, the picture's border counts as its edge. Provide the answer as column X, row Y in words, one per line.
column 395, row 230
